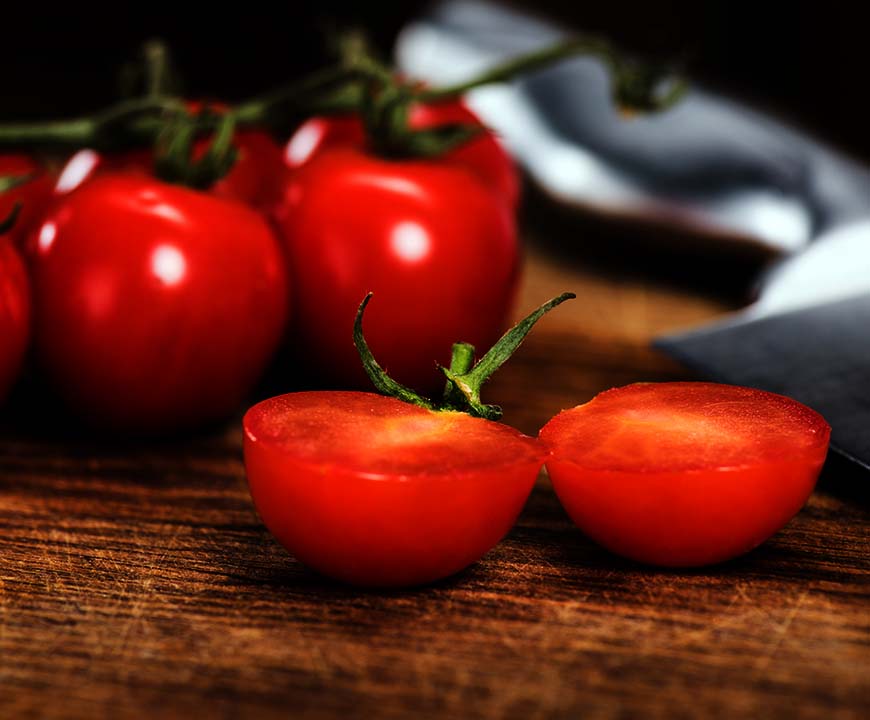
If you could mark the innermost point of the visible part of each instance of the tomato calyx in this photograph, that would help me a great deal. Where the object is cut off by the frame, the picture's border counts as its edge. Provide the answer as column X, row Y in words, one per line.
column 174, row 157
column 465, row 378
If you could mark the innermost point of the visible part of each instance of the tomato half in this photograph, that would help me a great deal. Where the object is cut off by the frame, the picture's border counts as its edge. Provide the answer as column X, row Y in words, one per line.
column 376, row 492
column 430, row 239
column 156, row 307
column 684, row 474
column 484, row 155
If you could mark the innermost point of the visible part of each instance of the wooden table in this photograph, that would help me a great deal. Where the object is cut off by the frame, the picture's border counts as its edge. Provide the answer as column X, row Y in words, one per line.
column 137, row 581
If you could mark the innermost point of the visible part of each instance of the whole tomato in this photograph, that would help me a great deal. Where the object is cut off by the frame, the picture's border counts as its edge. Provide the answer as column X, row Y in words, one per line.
column 434, row 242
column 14, row 313
column 483, row 155
column 684, row 474
column 156, row 307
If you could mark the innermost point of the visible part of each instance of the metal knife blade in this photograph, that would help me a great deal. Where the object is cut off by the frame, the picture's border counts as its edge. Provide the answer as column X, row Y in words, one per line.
column 819, row 355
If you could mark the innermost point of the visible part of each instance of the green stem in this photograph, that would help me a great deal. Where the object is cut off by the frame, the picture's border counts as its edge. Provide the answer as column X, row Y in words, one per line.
column 10, row 182
column 382, row 382
column 471, row 382
column 635, row 84
column 359, row 83
column 333, row 89
column 514, row 67
column 129, row 122
column 461, row 361
column 159, row 79
column 464, row 381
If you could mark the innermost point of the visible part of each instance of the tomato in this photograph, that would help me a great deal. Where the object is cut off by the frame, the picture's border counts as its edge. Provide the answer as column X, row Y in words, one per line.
column 14, row 313
column 156, row 307
column 484, row 155
column 433, row 242
column 684, row 474
column 376, row 492
column 33, row 193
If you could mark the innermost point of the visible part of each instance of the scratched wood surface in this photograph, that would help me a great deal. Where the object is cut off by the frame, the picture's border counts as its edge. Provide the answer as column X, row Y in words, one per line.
column 136, row 580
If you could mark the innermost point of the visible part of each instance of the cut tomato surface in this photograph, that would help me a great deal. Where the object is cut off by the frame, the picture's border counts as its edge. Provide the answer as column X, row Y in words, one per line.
column 682, row 474
column 376, row 492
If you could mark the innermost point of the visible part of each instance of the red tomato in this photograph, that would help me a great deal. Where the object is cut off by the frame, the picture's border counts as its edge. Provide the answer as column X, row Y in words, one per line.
column 156, row 307
column 14, row 314
column 376, row 492
column 436, row 246
column 34, row 194
column 483, row 155
column 684, row 474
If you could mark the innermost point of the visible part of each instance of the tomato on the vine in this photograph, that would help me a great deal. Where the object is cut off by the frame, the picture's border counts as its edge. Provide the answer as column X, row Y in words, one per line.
column 484, row 155
column 684, row 474
column 429, row 237
column 156, row 307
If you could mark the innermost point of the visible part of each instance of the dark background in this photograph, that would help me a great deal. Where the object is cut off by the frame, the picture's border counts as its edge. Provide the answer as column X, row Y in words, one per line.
column 801, row 61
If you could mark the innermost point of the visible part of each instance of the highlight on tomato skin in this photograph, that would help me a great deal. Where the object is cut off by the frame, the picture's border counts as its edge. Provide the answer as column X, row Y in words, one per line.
column 684, row 474
column 376, row 492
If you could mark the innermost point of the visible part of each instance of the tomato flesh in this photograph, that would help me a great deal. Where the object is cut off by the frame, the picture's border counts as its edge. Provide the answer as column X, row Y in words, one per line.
column 375, row 492
column 684, row 474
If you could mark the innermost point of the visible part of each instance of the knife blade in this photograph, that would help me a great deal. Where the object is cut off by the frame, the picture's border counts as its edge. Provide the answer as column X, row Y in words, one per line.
column 819, row 355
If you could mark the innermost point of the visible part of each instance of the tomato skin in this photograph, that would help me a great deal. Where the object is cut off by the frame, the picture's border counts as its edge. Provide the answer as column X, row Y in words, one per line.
column 257, row 177
column 156, row 307
column 676, row 492
column 435, row 246
column 410, row 511
column 484, row 155
column 14, row 314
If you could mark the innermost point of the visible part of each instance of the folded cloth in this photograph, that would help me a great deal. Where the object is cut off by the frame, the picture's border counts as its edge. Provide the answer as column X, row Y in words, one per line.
column 708, row 163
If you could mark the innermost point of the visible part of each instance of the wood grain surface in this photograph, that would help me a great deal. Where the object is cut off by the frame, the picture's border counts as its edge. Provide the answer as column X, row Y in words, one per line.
column 137, row 581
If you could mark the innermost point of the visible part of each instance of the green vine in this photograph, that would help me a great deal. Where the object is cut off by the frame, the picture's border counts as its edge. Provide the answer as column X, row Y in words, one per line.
column 358, row 83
